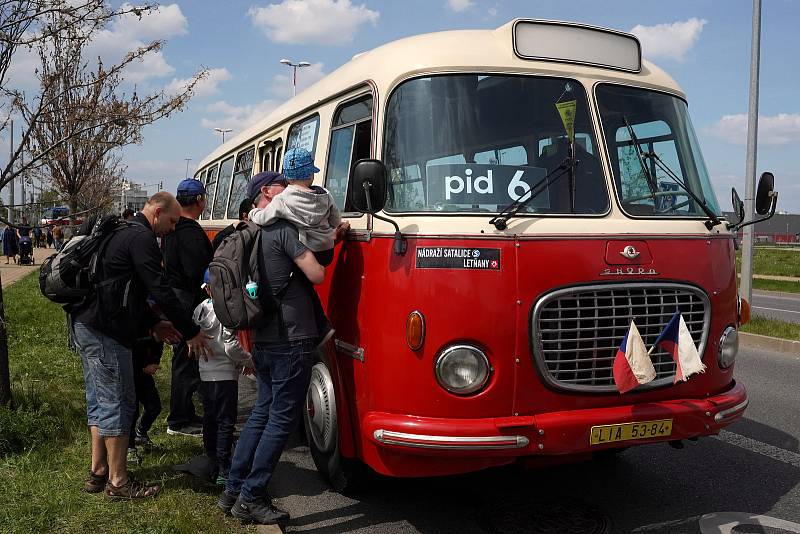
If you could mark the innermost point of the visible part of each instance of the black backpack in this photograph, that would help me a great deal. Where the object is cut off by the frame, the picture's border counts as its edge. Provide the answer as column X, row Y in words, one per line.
column 236, row 262
column 69, row 276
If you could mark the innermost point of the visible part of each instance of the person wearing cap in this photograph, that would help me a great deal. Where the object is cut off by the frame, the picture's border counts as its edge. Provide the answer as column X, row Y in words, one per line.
column 219, row 376
column 244, row 209
column 186, row 253
column 283, row 354
column 313, row 211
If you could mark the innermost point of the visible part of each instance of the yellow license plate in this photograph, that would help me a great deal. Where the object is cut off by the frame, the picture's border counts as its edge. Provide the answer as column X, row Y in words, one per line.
column 629, row 431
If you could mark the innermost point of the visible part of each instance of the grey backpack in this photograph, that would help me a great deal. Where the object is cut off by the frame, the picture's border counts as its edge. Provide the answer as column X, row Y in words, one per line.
column 235, row 264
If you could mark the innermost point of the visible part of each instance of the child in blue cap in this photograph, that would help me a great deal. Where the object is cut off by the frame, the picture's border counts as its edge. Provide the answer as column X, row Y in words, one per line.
column 219, row 386
column 312, row 210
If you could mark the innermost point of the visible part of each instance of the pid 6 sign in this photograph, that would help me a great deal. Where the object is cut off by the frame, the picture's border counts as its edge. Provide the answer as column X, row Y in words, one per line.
column 478, row 184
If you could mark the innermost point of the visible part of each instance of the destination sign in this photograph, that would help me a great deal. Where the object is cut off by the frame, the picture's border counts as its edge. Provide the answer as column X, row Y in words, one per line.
column 458, row 258
column 481, row 185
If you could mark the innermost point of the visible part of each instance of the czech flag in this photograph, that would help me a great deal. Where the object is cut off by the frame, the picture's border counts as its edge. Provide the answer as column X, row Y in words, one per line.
column 632, row 366
column 677, row 340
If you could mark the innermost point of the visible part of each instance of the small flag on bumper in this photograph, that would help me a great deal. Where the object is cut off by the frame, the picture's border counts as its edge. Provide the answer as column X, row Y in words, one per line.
column 677, row 341
column 632, row 365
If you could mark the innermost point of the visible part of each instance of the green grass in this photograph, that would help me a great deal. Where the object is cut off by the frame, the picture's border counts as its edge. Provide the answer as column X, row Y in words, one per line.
column 773, row 261
column 769, row 327
column 783, row 286
column 40, row 482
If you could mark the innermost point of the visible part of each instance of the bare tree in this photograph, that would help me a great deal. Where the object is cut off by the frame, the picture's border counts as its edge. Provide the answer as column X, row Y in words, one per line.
column 80, row 115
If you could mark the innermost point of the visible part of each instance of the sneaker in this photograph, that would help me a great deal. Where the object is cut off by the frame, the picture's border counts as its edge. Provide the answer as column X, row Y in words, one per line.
column 134, row 457
column 132, row 489
column 187, row 430
column 260, row 512
column 144, row 441
column 222, row 477
column 226, row 502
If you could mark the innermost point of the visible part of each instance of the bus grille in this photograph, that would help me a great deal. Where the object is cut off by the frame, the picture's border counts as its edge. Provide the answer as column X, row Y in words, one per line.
column 576, row 331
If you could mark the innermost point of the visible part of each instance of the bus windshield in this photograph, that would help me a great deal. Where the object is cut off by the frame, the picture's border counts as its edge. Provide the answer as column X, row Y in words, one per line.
column 475, row 143
column 666, row 145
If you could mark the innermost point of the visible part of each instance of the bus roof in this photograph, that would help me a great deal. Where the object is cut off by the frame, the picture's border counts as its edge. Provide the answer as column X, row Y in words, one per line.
column 447, row 51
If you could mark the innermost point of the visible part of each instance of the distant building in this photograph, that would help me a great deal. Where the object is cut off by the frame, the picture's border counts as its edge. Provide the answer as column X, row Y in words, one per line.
column 131, row 195
column 781, row 228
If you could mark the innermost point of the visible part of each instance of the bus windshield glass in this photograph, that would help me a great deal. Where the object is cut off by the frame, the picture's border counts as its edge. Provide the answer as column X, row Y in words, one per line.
column 476, row 143
column 667, row 146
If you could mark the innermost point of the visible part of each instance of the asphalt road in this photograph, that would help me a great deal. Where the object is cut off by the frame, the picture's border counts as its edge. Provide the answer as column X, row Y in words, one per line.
column 773, row 305
column 752, row 469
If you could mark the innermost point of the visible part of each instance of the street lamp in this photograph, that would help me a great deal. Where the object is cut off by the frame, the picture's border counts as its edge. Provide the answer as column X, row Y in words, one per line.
column 295, row 66
column 223, row 131
column 187, row 167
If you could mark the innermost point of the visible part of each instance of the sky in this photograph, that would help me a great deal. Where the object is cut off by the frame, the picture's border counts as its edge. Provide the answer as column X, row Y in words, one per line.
column 703, row 44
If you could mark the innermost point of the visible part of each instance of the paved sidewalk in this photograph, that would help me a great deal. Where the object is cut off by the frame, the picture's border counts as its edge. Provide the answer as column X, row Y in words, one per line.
column 776, row 277
column 11, row 273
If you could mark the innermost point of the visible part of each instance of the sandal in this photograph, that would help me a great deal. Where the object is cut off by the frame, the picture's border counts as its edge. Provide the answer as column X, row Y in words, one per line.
column 132, row 489
column 95, row 483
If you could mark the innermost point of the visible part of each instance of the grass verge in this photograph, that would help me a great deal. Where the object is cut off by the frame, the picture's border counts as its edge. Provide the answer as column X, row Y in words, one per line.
column 780, row 262
column 769, row 327
column 44, row 443
column 783, row 286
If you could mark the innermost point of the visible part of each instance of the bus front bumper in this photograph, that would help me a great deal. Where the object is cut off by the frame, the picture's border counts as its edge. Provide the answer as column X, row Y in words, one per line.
column 390, row 439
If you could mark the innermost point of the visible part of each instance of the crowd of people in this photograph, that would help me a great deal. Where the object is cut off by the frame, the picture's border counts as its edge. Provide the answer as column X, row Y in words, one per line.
column 159, row 259
column 48, row 236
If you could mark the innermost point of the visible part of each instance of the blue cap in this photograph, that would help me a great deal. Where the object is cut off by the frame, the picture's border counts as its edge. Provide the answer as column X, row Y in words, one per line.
column 260, row 180
column 298, row 164
column 191, row 187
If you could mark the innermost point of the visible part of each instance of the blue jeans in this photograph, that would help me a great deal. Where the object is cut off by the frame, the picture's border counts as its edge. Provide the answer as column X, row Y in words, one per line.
column 283, row 371
column 108, row 376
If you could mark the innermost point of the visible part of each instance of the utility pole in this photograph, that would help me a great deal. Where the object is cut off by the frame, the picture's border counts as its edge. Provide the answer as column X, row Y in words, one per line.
column 187, row 167
column 746, row 287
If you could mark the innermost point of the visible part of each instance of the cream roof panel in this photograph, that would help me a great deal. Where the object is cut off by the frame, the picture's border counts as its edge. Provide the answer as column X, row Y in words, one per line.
column 461, row 50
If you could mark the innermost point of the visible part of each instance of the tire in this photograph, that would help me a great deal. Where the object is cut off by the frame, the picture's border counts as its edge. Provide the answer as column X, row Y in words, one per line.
column 320, row 420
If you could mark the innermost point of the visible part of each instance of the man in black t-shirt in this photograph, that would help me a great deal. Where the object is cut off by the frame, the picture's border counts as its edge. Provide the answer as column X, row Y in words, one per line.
column 282, row 357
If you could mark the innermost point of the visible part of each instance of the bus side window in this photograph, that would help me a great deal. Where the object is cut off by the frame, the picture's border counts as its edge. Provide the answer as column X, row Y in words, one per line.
column 223, row 187
column 351, row 138
column 241, row 175
column 211, row 187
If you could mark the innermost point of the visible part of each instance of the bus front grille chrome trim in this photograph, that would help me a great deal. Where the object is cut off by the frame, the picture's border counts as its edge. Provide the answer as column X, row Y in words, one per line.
column 576, row 331
column 388, row 437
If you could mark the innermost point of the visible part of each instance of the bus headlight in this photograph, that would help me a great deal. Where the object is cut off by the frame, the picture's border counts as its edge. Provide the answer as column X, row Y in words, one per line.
column 462, row 369
column 728, row 347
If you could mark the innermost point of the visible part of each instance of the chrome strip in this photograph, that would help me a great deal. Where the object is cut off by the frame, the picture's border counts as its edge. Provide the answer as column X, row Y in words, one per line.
column 721, row 416
column 483, row 442
column 349, row 350
column 579, row 384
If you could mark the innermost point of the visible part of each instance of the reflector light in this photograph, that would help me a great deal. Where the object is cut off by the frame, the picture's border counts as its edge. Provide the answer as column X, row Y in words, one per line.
column 415, row 330
column 744, row 311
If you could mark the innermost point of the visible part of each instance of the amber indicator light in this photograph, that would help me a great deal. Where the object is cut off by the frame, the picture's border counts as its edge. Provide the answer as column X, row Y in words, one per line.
column 415, row 330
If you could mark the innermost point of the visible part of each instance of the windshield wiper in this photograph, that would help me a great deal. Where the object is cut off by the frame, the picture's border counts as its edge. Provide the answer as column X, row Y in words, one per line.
column 500, row 220
column 713, row 219
column 651, row 182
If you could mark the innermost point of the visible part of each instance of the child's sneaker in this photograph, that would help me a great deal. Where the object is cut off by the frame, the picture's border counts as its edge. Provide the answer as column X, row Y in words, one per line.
column 144, row 441
column 222, row 477
column 134, row 457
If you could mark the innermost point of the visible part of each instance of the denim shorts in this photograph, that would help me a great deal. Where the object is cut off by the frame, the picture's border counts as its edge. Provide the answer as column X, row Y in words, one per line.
column 108, row 376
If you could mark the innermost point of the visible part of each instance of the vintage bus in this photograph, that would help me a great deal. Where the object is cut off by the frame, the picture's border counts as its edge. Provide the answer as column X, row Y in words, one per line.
column 516, row 198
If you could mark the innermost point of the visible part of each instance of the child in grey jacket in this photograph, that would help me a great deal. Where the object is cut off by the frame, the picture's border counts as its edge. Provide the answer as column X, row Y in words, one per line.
column 219, row 386
column 312, row 210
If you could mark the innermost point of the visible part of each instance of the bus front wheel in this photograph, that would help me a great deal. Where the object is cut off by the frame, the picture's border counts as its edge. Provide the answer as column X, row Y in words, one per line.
column 322, row 431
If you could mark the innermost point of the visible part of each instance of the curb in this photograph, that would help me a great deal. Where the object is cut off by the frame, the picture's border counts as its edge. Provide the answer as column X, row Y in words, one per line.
column 756, row 341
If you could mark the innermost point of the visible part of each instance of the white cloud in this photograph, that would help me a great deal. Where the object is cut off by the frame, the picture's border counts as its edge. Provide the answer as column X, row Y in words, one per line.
column 208, row 86
column 492, row 11
column 127, row 33
column 225, row 115
column 312, row 21
column 670, row 40
column 306, row 77
column 780, row 129
column 459, row 5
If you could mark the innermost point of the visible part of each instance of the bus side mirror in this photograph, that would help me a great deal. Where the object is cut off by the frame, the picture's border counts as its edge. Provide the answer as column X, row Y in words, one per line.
column 368, row 186
column 764, row 193
column 738, row 206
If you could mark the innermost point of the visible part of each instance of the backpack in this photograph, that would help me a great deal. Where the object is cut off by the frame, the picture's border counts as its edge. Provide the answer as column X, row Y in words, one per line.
column 235, row 264
column 69, row 276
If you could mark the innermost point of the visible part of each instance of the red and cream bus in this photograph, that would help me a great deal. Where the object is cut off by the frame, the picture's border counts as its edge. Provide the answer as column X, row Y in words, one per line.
column 516, row 198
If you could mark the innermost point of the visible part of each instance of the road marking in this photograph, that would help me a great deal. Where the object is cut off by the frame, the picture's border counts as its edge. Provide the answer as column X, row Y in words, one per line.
column 774, row 309
column 758, row 447
column 725, row 522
